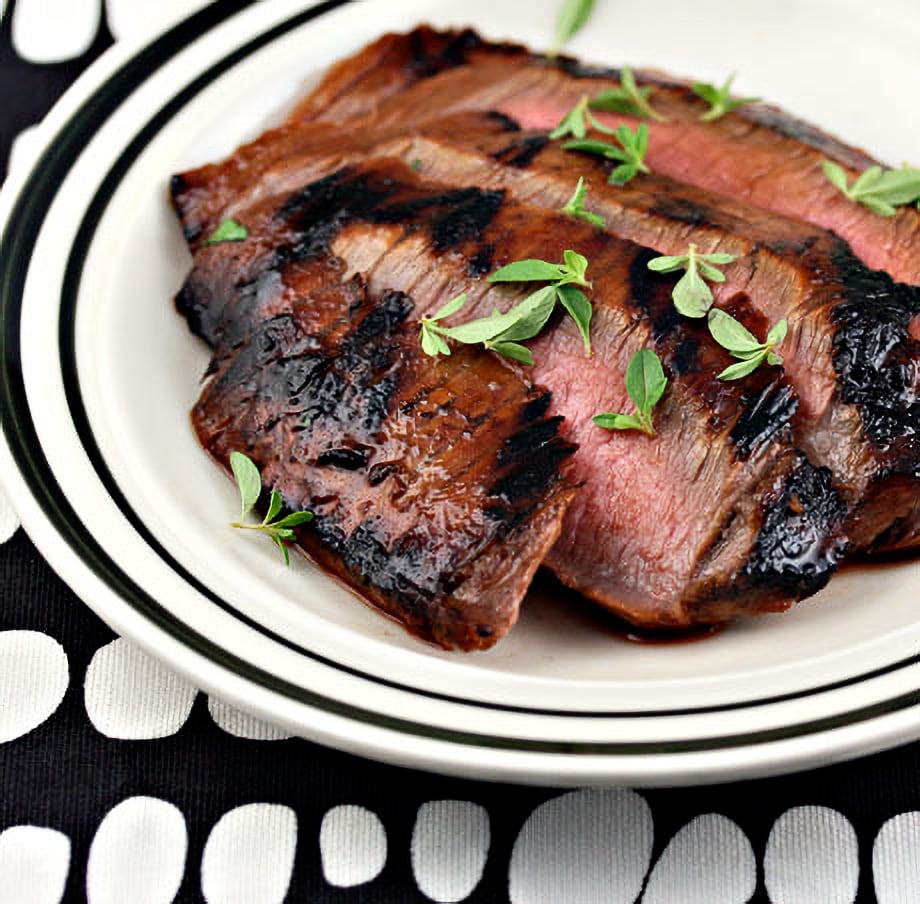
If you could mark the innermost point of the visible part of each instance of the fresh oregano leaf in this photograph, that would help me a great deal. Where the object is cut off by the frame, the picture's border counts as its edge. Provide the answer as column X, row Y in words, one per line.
column 274, row 506
column 576, row 206
column 645, row 384
column 532, row 318
column 628, row 98
column 452, row 307
column 512, row 350
column 691, row 294
column 631, row 151
column 248, row 481
column 580, row 310
column 573, row 14
column 528, row 271
column 737, row 339
column 645, row 380
column 719, row 99
column 742, row 368
column 732, row 334
column 228, row 231
column 882, row 191
column 618, row 422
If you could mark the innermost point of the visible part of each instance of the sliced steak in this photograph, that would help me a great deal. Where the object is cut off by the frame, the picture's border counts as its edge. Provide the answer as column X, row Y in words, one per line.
column 437, row 487
column 758, row 154
column 850, row 353
column 719, row 515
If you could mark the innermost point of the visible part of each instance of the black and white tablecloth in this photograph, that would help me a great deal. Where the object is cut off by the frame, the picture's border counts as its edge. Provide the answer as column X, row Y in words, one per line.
column 120, row 783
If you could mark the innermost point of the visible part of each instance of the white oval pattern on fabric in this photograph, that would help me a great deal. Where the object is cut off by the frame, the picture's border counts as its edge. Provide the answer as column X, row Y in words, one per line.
column 583, row 847
column 812, row 857
column 33, row 865
column 450, row 845
column 249, row 855
column 896, row 860
column 52, row 31
column 709, row 861
column 242, row 725
column 34, row 675
column 131, row 696
column 9, row 520
column 129, row 18
column 138, row 854
column 352, row 846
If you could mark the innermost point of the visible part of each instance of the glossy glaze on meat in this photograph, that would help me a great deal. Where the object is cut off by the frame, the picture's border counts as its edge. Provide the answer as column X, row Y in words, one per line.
column 850, row 354
column 759, row 155
column 437, row 487
column 717, row 515
column 423, row 163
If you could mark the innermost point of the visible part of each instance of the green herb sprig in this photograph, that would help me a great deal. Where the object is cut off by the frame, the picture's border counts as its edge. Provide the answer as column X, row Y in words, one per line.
column 576, row 206
column 503, row 333
column 719, row 99
column 228, row 231
column 882, row 191
column 630, row 154
column 571, row 19
column 692, row 295
column 733, row 336
column 645, row 383
column 576, row 122
column 249, row 483
column 565, row 278
column 628, row 98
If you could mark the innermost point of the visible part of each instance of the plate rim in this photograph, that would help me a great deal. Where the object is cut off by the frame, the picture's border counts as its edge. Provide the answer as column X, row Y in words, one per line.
column 36, row 521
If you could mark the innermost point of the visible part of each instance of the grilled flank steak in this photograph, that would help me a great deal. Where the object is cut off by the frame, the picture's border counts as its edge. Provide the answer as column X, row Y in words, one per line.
column 850, row 354
column 759, row 155
column 719, row 514
column 437, row 487
column 421, row 165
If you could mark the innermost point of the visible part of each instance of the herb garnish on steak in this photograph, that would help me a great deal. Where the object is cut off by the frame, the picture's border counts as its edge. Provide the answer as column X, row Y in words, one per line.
column 671, row 533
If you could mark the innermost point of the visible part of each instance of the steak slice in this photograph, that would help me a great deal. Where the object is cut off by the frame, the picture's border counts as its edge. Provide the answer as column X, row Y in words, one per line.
column 719, row 515
column 758, row 154
column 850, row 353
column 437, row 487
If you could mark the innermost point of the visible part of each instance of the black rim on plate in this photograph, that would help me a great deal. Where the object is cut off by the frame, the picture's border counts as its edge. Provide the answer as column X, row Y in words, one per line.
column 23, row 227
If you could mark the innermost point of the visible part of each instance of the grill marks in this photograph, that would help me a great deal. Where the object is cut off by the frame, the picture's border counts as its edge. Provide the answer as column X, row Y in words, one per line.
column 851, row 414
column 438, row 487
column 783, row 152
column 394, row 242
column 317, row 369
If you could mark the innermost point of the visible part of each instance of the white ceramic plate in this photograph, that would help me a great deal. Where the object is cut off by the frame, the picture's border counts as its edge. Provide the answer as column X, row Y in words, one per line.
column 99, row 374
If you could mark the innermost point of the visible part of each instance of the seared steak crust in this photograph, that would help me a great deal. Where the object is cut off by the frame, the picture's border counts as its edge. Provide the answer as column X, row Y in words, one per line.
column 851, row 355
column 437, row 487
column 672, row 532
column 759, row 154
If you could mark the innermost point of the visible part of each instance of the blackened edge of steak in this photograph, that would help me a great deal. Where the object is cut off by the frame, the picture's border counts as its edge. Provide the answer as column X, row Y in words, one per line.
column 799, row 546
column 312, row 408
column 521, row 152
column 305, row 222
column 876, row 358
column 766, row 410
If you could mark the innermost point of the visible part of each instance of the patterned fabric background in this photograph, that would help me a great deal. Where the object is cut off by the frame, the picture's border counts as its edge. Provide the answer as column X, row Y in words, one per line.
column 122, row 784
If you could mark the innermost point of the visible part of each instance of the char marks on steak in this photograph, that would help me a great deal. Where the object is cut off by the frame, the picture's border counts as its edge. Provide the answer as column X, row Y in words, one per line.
column 720, row 514
column 850, row 353
column 759, row 154
column 437, row 487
